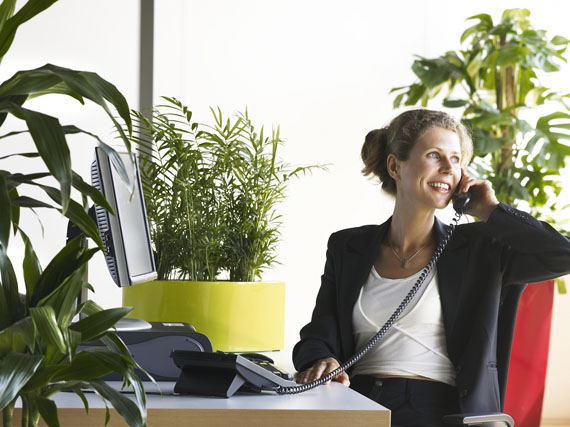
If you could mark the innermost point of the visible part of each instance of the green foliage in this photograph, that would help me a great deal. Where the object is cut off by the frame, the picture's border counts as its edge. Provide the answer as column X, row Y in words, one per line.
column 495, row 80
column 38, row 341
column 211, row 193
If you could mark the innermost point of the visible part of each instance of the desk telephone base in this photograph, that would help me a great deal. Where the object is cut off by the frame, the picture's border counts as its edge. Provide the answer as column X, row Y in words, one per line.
column 223, row 374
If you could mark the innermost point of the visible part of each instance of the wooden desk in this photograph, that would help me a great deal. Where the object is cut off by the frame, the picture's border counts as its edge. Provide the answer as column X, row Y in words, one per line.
column 325, row 406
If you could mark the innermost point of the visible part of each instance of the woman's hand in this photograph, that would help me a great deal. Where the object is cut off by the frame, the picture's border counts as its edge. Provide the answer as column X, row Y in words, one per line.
column 321, row 368
column 483, row 199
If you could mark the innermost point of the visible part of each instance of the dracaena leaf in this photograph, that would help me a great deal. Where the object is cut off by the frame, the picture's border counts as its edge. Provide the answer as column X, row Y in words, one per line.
column 52, row 146
column 15, row 209
column 6, row 11
column 25, row 330
column 48, row 411
column 124, row 405
column 59, row 88
column 76, row 214
column 11, row 341
column 15, row 307
column 45, row 322
column 50, row 141
column 28, row 202
column 10, row 26
column 64, row 297
column 31, row 265
column 5, row 313
column 6, row 217
column 43, row 376
column 116, row 160
column 93, row 326
column 113, row 342
column 85, row 366
column 16, row 369
column 92, row 192
column 98, row 90
column 59, row 268
column 89, row 307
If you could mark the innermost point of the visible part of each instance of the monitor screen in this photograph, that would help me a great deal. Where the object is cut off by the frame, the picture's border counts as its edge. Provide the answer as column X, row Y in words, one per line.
column 126, row 236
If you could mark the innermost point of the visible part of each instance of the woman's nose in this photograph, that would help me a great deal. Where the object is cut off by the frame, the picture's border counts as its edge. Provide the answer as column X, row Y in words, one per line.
column 446, row 165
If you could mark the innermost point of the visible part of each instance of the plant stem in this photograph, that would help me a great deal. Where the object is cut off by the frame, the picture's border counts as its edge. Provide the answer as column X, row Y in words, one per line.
column 8, row 415
column 34, row 419
column 30, row 413
column 25, row 411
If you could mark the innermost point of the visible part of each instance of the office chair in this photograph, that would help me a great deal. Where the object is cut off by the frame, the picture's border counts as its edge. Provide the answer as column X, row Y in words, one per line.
column 506, row 327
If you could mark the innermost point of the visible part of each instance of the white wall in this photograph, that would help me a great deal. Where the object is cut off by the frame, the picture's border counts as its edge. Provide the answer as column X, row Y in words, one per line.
column 320, row 69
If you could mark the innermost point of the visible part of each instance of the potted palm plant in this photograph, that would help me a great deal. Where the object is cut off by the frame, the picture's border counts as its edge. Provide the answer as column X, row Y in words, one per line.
column 496, row 80
column 211, row 193
column 38, row 339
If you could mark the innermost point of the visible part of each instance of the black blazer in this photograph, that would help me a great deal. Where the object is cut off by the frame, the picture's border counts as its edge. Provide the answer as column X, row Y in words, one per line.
column 474, row 271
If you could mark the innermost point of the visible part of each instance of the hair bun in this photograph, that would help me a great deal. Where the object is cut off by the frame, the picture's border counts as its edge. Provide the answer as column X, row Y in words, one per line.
column 374, row 155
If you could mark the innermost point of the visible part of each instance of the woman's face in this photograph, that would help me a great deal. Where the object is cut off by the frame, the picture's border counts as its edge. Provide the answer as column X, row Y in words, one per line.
column 433, row 169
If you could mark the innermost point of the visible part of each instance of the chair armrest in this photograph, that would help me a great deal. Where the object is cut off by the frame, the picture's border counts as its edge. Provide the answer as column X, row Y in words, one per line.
column 495, row 419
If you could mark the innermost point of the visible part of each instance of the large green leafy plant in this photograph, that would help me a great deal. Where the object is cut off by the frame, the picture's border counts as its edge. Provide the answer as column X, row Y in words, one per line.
column 520, row 126
column 211, row 193
column 38, row 342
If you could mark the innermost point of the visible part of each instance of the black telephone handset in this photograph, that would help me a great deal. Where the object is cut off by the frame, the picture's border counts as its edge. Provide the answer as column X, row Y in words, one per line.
column 222, row 374
column 461, row 203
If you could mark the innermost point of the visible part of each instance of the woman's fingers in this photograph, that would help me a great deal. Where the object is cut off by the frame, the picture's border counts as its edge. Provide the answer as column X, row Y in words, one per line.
column 343, row 379
column 466, row 182
column 483, row 198
column 321, row 368
column 301, row 377
column 305, row 376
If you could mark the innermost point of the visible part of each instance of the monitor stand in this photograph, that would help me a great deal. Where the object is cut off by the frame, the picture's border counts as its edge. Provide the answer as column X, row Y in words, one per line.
column 127, row 324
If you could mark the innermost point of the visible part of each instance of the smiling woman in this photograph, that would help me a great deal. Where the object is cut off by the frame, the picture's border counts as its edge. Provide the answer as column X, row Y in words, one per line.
column 438, row 358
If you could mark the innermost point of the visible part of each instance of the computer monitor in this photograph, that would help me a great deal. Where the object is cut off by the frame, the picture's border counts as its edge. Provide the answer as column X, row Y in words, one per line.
column 125, row 235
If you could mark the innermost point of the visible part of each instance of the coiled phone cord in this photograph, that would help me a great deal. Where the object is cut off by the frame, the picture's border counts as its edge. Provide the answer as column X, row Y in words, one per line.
column 413, row 291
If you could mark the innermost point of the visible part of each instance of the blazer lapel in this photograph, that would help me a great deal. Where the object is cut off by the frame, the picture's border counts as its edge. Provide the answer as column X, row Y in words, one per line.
column 358, row 256
column 450, row 268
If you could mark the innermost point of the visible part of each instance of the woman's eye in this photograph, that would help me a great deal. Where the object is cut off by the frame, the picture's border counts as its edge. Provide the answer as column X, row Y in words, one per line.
column 456, row 159
column 433, row 155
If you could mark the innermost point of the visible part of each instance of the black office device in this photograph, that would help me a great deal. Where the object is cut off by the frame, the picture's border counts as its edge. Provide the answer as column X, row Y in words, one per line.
column 223, row 374
column 151, row 348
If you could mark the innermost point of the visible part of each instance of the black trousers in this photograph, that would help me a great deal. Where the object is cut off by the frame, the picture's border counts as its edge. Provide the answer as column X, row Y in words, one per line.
column 411, row 402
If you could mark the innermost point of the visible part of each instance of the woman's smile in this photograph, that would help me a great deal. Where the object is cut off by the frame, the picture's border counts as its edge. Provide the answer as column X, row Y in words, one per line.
column 442, row 187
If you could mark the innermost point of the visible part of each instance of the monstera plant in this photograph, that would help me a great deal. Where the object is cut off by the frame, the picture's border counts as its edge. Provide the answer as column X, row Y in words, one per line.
column 38, row 339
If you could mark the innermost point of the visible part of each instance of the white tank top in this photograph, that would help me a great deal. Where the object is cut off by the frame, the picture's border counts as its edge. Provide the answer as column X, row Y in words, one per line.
column 415, row 345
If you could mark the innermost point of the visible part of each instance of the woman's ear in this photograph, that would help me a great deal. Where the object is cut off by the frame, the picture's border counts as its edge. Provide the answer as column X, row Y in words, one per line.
column 393, row 166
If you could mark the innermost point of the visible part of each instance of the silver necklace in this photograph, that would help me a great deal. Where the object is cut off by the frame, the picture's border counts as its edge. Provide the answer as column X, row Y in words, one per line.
column 405, row 261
